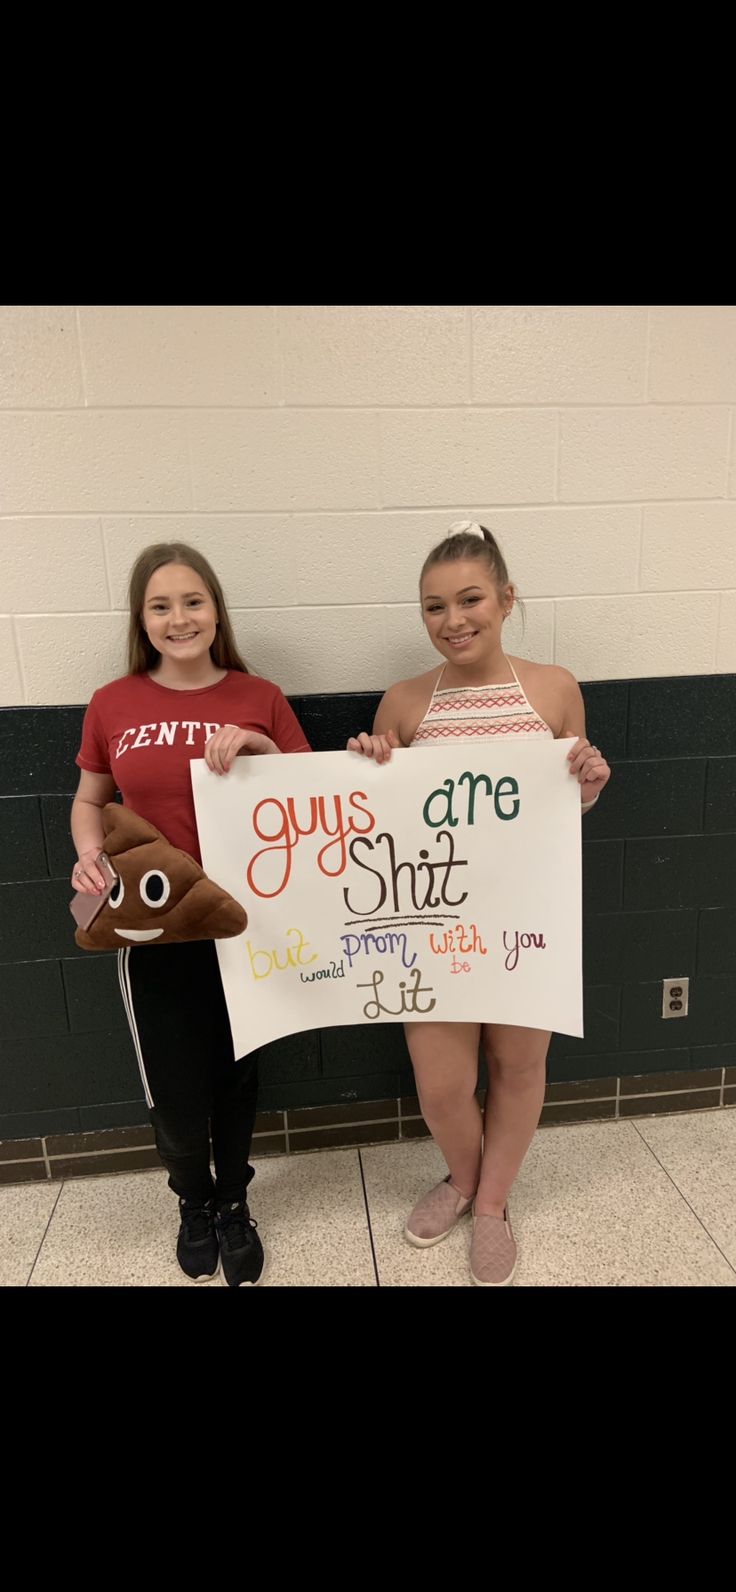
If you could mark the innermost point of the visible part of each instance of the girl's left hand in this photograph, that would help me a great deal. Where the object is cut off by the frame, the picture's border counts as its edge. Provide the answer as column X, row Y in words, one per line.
column 224, row 746
column 590, row 768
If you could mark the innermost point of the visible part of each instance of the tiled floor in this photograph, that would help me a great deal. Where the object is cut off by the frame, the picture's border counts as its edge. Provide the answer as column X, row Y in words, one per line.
column 650, row 1203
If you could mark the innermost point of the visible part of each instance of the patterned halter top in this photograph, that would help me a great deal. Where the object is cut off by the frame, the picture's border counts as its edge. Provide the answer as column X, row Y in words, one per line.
column 465, row 714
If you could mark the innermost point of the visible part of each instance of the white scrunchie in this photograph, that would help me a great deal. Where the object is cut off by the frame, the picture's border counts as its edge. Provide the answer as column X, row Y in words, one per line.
column 471, row 527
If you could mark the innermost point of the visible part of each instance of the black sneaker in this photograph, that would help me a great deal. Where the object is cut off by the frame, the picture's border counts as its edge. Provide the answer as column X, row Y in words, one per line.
column 197, row 1248
column 241, row 1250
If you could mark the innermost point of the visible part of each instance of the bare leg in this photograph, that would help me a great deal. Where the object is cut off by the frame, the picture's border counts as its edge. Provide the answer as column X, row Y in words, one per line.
column 445, row 1060
column 516, row 1060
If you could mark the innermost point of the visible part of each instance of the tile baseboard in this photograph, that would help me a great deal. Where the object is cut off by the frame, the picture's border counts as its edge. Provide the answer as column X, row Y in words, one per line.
column 107, row 1152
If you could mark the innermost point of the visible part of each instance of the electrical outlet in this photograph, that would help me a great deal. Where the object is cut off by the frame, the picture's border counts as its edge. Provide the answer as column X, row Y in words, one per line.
column 675, row 993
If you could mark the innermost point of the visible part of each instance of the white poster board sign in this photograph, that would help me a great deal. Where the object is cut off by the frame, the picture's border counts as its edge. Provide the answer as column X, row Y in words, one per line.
column 442, row 886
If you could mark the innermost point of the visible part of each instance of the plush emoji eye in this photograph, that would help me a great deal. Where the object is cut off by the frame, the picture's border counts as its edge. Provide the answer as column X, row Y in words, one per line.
column 155, row 888
column 116, row 894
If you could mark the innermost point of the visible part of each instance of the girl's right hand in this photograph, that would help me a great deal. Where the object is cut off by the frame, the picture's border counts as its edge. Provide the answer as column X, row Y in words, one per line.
column 86, row 876
column 378, row 746
column 229, row 742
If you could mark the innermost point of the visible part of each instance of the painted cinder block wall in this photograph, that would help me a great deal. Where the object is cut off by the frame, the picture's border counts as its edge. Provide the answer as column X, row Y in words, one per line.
column 315, row 454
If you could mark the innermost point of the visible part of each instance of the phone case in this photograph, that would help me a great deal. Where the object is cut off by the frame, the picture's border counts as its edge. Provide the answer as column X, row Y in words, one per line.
column 85, row 908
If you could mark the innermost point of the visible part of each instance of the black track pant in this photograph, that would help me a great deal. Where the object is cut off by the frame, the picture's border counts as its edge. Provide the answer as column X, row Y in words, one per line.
column 178, row 1018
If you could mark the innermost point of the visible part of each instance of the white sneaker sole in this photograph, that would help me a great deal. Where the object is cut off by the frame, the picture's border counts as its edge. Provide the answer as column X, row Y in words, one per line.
column 503, row 1284
column 246, row 1283
column 427, row 1243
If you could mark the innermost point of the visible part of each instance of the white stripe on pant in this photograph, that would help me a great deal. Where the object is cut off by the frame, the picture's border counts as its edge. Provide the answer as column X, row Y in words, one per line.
column 127, row 994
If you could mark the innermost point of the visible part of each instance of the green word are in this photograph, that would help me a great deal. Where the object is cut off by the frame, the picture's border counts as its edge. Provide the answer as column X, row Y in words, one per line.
column 438, row 809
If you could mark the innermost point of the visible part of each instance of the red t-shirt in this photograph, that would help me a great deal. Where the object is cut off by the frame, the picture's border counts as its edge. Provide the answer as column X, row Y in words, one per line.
column 145, row 735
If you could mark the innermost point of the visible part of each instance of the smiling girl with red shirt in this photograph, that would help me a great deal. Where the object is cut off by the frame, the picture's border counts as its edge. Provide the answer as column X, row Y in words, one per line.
column 187, row 694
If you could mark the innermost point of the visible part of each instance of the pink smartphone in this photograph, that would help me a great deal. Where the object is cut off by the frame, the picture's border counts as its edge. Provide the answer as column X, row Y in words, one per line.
column 85, row 908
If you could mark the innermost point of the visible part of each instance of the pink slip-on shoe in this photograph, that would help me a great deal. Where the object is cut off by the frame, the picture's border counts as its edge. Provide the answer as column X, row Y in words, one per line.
column 492, row 1251
column 435, row 1215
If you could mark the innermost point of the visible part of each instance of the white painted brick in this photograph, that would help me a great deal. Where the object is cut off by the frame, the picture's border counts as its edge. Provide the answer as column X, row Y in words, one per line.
column 409, row 651
column 474, row 456
column 555, row 355
column 11, row 686
column 280, row 460
column 688, row 546
column 531, row 635
column 365, row 558
column 253, row 556
column 315, row 649
column 620, row 638
column 560, row 551
column 549, row 552
column 39, row 357
column 173, row 354
column 693, row 354
column 53, row 565
column 374, row 354
column 66, row 659
column 726, row 653
column 96, row 461
column 642, row 453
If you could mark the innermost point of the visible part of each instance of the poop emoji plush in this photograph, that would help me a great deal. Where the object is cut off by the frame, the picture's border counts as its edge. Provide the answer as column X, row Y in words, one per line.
column 162, row 895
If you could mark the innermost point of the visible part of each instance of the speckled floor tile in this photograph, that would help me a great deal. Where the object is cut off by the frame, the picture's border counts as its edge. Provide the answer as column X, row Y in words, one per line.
column 699, row 1152
column 591, row 1208
column 113, row 1232
column 312, row 1212
column 121, row 1231
column 24, row 1214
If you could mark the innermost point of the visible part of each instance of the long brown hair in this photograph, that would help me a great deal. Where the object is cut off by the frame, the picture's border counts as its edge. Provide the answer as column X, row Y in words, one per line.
column 142, row 655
